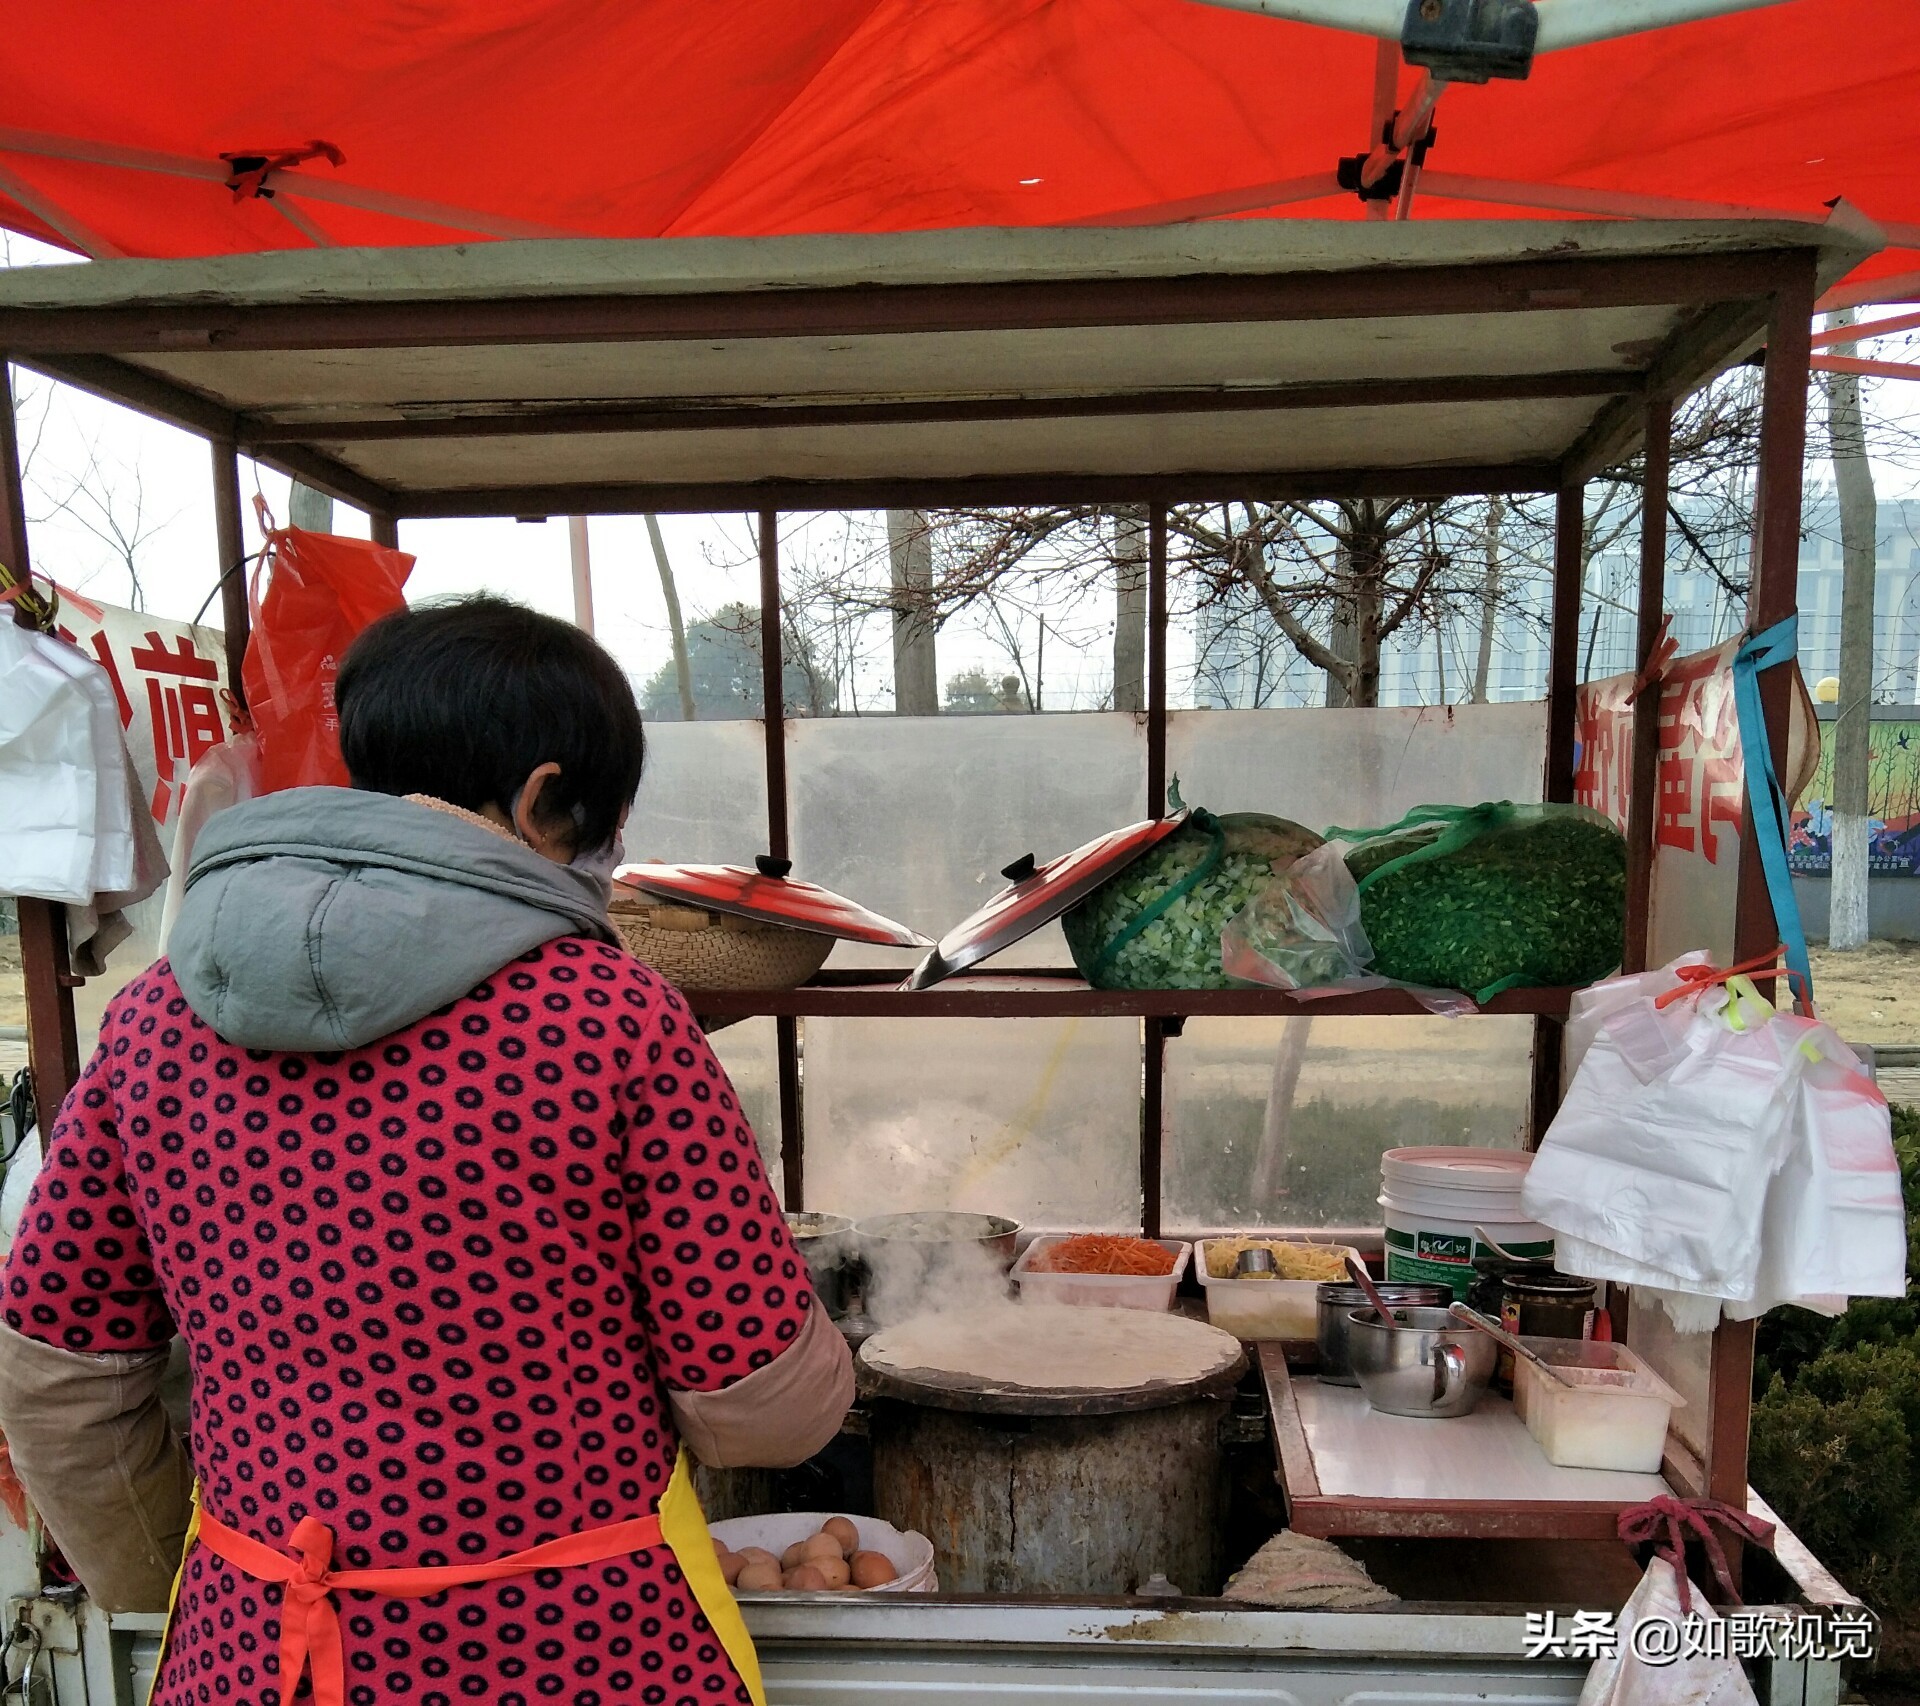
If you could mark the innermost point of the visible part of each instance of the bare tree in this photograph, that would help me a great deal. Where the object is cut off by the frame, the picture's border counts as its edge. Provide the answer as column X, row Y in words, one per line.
column 676, row 626
column 1130, row 609
column 108, row 499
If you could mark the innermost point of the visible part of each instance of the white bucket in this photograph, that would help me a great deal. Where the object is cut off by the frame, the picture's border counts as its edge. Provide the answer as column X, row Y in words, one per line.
column 1434, row 1198
column 909, row 1552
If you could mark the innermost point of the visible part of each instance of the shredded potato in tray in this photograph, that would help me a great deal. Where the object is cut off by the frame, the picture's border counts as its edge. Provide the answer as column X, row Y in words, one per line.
column 1291, row 1261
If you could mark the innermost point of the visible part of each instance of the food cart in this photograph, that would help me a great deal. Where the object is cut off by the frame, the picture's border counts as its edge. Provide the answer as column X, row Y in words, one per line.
column 979, row 368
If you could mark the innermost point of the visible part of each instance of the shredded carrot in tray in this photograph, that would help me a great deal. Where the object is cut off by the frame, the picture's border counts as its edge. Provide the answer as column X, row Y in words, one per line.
column 1103, row 1253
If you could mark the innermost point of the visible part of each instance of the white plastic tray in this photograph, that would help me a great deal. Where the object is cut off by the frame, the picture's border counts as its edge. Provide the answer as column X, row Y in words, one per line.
column 1264, row 1308
column 1615, row 1418
column 1101, row 1291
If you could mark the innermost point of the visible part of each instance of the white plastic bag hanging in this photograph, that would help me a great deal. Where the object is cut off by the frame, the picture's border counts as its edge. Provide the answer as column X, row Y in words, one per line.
column 1655, row 1170
column 1835, row 1226
column 50, row 787
column 1652, row 1668
column 224, row 776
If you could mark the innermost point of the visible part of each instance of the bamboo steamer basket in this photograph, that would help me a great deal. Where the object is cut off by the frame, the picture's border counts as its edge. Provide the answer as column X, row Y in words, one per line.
column 697, row 949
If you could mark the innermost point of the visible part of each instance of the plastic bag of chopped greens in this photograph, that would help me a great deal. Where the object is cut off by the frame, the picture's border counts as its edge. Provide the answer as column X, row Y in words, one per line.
column 1157, row 924
column 1302, row 928
column 1492, row 897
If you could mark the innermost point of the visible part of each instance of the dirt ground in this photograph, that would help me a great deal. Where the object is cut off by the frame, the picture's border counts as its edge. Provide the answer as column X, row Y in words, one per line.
column 1873, row 995
column 13, row 994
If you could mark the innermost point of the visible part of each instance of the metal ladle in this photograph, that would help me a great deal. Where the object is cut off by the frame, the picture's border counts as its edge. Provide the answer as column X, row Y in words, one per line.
column 1493, row 1330
column 1364, row 1281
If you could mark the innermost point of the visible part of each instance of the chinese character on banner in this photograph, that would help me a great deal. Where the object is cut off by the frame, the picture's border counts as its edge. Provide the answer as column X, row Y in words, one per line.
column 1698, row 788
column 166, row 680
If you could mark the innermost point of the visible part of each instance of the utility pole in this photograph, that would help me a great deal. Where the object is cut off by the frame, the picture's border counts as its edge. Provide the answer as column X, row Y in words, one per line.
column 1847, row 913
column 916, row 672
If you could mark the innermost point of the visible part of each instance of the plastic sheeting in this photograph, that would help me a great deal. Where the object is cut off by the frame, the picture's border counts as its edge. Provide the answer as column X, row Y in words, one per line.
column 644, row 118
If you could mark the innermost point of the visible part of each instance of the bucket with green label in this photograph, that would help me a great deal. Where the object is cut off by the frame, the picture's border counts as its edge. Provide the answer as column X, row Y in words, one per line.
column 1440, row 1205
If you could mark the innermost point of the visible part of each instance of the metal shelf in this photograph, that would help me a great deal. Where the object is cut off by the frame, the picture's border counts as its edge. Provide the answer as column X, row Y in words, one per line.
column 1043, row 994
column 1490, row 1484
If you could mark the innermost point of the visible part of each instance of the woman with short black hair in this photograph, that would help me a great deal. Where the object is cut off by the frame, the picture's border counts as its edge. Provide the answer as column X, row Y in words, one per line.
column 457, row 1213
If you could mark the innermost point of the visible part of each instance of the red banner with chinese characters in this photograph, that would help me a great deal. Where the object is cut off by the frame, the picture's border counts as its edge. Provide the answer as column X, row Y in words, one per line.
column 1699, row 788
column 168, row 682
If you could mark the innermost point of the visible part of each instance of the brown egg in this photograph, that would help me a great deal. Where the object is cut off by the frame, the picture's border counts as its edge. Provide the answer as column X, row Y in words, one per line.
column 834, row 1570
column 844, row 1532
column 731, row 1564
column 806, row 1579
column 822, row 1545
column 872, row 1569
column 794, row 1556
column 758, row 1578
column 759, row 1555
column 720, row 1547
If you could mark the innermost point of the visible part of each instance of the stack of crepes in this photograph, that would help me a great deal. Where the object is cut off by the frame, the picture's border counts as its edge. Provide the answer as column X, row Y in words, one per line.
column 1297, row 1571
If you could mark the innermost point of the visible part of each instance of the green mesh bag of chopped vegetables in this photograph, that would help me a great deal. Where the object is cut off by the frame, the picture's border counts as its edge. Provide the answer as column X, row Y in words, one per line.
column 1156, row 925
column 1491, row 897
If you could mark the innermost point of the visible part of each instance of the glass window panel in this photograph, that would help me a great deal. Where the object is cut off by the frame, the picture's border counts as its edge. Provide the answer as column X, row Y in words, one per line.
column 1038, row 1119
column 746, row 1049
column 1241, row 1151
column 1356, row 768
column 703, row 798
column 916, row 816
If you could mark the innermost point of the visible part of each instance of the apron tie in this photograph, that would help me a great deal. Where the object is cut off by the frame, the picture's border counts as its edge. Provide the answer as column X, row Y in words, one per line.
column 310, row 1622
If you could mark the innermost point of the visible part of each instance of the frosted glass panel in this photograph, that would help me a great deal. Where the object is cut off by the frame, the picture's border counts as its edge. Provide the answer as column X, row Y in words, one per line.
column 703, row 798
column 746, row 1049
column 916, row 816
column 1241, row 1151
column 1358, row 769
column 1038, row 1119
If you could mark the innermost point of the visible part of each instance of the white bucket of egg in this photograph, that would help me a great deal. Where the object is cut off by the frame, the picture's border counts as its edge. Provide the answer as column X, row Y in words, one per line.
column 1440, row 1205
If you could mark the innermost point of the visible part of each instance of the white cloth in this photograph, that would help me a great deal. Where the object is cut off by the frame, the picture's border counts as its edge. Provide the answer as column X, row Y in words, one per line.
column 1625, row 1678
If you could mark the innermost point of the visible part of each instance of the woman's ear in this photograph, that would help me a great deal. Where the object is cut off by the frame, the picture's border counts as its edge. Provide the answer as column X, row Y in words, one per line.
column 535, row 828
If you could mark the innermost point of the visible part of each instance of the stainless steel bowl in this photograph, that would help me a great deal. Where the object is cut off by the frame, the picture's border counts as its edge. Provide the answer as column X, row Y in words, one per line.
column 924, row 1256
column 825, row 1243
column 1424, row 1363
column 1335, row 1300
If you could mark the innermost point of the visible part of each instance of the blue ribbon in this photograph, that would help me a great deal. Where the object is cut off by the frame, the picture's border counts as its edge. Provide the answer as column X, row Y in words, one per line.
column 1771, row 813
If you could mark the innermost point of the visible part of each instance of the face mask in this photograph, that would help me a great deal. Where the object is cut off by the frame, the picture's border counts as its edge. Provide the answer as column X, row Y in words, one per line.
column 601, row 865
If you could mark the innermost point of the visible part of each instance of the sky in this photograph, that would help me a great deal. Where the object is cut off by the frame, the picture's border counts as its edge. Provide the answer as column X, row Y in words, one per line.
column 154, row 480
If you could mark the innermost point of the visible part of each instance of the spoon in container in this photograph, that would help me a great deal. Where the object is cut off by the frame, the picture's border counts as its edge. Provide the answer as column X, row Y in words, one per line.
column 1364, row 1281
column 1493, row 1330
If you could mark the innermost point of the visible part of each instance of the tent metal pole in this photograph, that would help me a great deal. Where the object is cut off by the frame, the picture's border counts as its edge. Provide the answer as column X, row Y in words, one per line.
column 53, row 1045
column 229, row 532
column 1658, row 439
column 786, row 1028
column 1563, row 672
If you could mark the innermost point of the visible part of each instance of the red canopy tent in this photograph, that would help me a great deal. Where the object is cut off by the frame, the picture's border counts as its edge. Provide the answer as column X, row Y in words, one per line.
column 370, row 124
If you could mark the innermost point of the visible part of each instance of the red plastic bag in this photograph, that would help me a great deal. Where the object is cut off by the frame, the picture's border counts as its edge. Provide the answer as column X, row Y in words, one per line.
column 323, row 590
